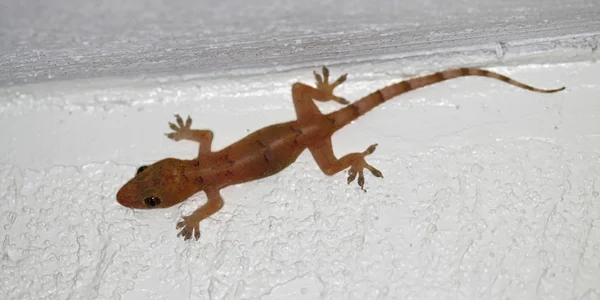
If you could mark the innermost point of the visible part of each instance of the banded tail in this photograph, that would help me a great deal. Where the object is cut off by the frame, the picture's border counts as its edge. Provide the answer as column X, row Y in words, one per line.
column 362, row 106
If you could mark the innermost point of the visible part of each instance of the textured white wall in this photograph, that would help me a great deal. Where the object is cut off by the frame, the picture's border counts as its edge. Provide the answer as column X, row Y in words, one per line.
column 490, row 191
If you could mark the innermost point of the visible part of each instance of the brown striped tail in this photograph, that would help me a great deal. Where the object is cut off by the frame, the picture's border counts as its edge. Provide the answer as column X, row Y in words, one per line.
column 362, row 106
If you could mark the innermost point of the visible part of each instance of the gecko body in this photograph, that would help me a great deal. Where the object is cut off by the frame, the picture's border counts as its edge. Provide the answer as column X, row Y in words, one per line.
column 269, row 150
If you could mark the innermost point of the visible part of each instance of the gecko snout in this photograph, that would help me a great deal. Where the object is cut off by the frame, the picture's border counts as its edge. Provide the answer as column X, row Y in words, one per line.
column 130, row 197
column 124, row 197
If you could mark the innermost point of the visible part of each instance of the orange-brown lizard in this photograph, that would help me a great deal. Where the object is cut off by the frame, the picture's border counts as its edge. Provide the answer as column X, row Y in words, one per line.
column 268, row 150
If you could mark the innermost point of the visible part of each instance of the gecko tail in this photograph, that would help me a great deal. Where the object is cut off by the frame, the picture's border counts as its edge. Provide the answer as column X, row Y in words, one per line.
column 415, row 83
column 485, row 73
column 362, row 106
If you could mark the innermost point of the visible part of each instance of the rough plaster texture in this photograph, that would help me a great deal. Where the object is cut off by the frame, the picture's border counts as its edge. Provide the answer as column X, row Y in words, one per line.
column 67, row 39
column 490, row 192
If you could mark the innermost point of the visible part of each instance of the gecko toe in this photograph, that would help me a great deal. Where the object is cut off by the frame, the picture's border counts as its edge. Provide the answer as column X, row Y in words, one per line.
column 375, row 172
column 339, row 81
column 370, row 150
column 361, row 180
column 180, row 224
column 184, row 234
column 351, row 174
column 325, row 75
column 179, row 120
column 341, row 100
column 318, row 78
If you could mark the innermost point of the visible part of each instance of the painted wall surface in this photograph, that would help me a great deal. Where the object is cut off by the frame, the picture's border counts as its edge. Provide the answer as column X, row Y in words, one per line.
column 490, row 191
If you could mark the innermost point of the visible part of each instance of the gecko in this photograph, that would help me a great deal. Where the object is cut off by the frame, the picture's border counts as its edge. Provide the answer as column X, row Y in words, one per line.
column 271, row 149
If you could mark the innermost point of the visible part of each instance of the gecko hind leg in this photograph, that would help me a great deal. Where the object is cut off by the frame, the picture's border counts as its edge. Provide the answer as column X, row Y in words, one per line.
column 330, row 165
column 326, row 87
column 305, row 95
column 183, row 131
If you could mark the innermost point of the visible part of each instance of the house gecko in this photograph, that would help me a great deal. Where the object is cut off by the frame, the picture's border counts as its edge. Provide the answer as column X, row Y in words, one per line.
column 269, row 150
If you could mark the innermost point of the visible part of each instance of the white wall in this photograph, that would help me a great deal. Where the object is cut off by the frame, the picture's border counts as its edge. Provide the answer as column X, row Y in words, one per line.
column 490, row 191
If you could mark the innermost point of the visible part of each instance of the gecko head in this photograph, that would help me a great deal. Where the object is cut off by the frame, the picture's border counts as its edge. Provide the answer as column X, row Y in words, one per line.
column 159, row 185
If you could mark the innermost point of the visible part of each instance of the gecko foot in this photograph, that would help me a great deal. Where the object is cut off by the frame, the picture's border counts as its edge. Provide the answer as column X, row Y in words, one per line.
column 324, row 85
column 359, row 165
column 189, row 226
column 181, row 130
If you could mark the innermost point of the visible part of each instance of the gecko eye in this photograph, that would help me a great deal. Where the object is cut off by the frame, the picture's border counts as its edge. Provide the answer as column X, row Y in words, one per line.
column 152, row 201
column 140, row 169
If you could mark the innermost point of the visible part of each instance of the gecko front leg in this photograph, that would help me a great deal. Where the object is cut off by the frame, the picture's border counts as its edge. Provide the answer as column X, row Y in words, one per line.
column 184, row 132
column 191, row 224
